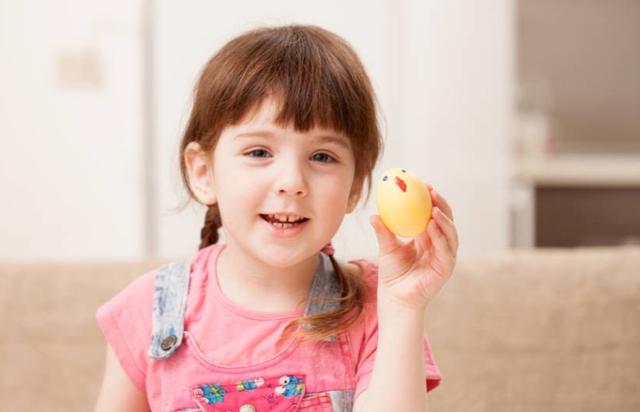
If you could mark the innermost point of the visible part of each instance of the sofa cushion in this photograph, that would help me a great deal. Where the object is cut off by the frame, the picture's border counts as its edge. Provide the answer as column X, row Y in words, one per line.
column 548, row 330
column 52, row 352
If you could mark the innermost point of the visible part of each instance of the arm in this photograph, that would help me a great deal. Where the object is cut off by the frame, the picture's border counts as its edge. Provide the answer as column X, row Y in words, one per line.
column 409, row 276
column 118, row 393
column 397, row 380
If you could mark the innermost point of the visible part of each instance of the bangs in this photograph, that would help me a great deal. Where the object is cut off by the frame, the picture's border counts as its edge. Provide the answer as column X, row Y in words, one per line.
column 306, row 76
column 314, row 77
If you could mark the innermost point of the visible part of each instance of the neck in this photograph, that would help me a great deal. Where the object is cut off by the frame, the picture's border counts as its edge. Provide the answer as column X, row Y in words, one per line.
column 256, row 285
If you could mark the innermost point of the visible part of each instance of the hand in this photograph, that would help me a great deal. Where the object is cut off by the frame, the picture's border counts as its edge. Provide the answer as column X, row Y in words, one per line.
column 413, row 273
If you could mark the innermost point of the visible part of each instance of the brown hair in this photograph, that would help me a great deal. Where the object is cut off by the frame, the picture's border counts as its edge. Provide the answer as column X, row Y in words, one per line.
column 319, row 81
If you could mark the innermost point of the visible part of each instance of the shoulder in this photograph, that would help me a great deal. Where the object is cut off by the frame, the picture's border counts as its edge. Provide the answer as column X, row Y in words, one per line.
column 135, row 298
column 133, row 302
column 140, row 285
column 125, row 322
column 362, row 333
column 365, row 269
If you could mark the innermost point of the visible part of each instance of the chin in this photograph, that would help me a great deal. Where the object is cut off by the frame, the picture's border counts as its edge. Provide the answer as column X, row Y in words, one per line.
column 283, row 257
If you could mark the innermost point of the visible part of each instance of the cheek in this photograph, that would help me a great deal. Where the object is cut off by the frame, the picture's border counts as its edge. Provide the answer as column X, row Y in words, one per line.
column 236, row 199
column 336, row 191
column 246, row 197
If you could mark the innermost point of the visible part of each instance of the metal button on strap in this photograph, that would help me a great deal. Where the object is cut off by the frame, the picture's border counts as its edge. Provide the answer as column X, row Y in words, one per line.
column 247, row 407
column 168, row 342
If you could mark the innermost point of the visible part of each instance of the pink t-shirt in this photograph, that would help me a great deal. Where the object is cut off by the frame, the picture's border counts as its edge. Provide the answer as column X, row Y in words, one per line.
column 229, row 337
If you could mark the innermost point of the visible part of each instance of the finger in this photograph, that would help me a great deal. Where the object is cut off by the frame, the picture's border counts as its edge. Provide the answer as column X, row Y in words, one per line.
column 424, row 240
column 387, row 240
column 447, row 227
column 442, row 203
column 443, row 252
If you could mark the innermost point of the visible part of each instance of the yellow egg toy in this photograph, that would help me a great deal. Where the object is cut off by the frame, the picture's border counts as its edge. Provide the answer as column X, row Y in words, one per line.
column 403, row 201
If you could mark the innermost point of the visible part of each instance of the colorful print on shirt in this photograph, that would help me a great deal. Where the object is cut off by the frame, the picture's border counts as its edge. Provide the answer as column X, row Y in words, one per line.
column 274, row 394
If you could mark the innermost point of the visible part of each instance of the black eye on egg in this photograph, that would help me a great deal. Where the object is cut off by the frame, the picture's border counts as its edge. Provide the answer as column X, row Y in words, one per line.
column 404, row 171
column 384, row 179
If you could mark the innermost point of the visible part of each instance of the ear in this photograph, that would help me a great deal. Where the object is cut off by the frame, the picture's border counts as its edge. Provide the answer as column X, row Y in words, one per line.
column 200, row 171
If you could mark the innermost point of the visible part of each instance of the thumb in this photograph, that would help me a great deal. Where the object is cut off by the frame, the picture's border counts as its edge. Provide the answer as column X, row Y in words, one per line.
column 387, row 240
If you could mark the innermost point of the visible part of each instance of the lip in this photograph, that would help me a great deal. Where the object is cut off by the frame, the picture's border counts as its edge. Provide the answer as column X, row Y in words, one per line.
column 285, row 233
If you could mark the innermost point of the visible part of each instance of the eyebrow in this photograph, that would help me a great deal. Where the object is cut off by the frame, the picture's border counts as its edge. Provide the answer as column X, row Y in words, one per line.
column 329, row 138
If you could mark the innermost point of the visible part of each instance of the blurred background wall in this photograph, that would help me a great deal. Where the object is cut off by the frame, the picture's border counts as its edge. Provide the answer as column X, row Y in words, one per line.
column 579, row 61
column 70, row 129
column 576, row 124
column 487, row 101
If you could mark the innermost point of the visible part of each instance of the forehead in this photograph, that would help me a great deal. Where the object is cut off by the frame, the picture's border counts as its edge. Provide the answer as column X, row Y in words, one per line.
column 260, row 122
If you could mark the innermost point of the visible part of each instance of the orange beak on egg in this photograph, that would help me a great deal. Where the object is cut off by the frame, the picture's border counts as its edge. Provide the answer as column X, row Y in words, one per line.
column 400, row 183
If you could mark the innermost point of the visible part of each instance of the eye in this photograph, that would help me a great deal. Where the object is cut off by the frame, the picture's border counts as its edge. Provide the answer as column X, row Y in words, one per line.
column 403, row 171
column 384, row 179
column 330, row 158
column 256, row 151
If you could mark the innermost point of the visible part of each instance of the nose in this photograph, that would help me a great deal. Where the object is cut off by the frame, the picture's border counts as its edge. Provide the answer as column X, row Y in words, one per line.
column 291, row 180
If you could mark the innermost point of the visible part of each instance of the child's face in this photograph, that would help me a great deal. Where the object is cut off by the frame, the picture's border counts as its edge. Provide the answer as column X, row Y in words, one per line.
column 287, row 171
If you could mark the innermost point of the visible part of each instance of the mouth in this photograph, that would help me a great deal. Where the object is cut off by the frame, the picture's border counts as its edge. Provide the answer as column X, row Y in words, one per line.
column 283, row 223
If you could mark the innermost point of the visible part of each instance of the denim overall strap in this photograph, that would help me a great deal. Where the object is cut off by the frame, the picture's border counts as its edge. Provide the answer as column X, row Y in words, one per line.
column 169, row 304
column 327, row 284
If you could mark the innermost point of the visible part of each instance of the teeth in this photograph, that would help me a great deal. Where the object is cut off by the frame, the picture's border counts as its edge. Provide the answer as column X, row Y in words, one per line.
column 283, row 225
column 283, row 218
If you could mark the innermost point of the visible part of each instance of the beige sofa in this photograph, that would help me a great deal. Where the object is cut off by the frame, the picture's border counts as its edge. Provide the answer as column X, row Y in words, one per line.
column 545, row 330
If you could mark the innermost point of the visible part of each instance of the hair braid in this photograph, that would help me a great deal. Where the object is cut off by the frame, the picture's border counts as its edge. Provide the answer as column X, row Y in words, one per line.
column 212, row 222
column 354, row 293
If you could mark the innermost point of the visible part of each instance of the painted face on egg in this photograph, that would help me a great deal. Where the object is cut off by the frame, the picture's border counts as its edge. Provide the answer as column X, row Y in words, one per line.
column 403, row 202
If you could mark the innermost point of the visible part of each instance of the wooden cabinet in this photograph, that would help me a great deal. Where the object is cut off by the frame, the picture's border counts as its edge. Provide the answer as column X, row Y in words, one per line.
column 576, row 200
column 586, row 216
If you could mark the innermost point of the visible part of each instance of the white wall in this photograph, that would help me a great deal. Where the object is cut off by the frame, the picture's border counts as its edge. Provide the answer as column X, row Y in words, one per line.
column 442, row 72
column 70, row 129
column 71, row 124
column 459, row 71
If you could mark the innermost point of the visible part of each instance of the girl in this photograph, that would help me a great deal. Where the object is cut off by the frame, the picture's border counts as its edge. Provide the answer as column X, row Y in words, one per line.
column 280, row 141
